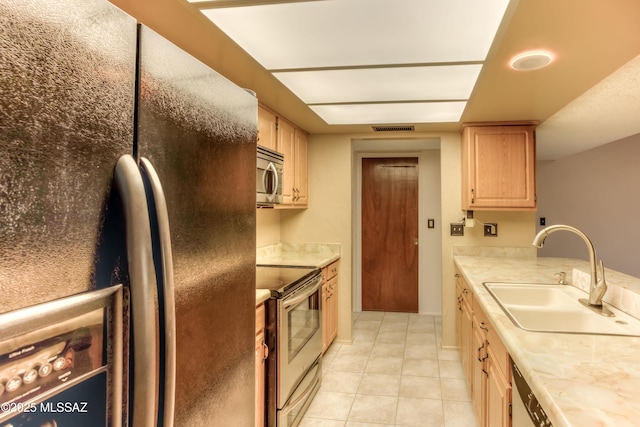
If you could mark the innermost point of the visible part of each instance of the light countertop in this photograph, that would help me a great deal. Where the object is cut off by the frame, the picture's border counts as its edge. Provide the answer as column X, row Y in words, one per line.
column 580, row 380
column 262, row 295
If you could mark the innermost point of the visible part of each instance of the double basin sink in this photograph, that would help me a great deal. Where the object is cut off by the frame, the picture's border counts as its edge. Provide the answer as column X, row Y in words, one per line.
column 556, row 308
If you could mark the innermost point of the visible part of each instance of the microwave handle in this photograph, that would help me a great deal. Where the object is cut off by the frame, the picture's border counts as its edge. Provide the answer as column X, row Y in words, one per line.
column 296, row 299
column 271, row 168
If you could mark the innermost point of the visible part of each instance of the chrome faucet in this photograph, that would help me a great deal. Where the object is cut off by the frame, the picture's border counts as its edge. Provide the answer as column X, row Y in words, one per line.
column 598, row 286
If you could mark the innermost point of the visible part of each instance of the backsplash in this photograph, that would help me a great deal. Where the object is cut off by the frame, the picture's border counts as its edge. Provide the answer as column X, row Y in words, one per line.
column 495, row 251
column 316, row 254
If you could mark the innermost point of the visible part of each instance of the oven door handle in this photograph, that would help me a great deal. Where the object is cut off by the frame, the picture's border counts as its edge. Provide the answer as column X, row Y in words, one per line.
column 298, row 298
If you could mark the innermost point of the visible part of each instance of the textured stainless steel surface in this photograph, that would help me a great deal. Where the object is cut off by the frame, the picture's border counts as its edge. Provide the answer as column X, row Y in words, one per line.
column 199, row 131
column 66, row 113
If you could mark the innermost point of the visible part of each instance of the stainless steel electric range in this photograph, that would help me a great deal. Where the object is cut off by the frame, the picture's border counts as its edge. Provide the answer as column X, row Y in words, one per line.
column 294, row 338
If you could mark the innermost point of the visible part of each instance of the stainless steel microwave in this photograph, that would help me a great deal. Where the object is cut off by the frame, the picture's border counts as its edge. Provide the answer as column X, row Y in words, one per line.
column 269, row 177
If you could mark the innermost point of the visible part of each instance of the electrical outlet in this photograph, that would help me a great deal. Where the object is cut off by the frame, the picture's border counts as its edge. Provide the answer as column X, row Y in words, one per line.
column 457, row 229
column 491, row 229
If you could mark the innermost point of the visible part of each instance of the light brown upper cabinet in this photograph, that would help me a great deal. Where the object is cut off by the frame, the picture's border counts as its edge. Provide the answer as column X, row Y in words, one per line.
column 278, row 134
column 292, row 142
column 300, row 175
column 498, row 166
column 267, row 128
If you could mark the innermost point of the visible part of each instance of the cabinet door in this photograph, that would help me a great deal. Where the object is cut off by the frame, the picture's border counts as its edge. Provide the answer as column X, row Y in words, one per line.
column 325, row 316
column 286, row 146
column 478, row 373
column 301, row 171
column 498, row 168
column 333, row 312
column 267, row 129
column 498, row 399
column 459, row 300
column 466, row 354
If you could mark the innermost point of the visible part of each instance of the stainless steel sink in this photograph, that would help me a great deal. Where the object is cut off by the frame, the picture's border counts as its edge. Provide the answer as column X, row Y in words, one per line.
column 556, row 308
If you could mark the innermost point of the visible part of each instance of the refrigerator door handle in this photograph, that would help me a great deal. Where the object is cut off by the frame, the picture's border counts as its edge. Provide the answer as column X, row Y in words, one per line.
column 167, row 313
column 143, row 394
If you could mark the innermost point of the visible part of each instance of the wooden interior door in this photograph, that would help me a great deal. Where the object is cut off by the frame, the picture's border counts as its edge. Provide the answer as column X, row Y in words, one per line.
column 389, row 234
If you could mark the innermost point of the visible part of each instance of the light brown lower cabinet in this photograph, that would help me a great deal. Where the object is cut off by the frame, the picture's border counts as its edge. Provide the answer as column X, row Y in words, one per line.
column 261, row 355
column 485, row 361
column 464, row 319
column 329, row 304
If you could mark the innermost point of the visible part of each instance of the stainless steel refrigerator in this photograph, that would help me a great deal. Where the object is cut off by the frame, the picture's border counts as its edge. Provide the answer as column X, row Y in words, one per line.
column 127, row 225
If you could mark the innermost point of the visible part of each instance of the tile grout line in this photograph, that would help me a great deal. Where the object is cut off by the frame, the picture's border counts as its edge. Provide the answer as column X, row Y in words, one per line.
column 371, row 335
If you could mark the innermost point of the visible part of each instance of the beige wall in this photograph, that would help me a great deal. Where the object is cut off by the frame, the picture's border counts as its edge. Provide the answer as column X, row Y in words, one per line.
column 268, row 227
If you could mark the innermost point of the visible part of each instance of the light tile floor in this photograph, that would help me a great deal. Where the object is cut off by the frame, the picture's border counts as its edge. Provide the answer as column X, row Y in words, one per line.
column 394, row 374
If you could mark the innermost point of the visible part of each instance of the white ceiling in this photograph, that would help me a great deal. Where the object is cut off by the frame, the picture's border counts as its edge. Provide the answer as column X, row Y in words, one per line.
column 607, row 112
column 331, row 61
column 369, row 61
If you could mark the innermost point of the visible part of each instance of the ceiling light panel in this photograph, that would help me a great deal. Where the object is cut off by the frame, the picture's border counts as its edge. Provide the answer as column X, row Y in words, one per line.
column 454, row 82
column 340, row 33
column 392, row 113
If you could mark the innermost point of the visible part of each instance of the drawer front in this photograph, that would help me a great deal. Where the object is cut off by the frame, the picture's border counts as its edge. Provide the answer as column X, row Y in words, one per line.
column 330, row 270
column 500, row 352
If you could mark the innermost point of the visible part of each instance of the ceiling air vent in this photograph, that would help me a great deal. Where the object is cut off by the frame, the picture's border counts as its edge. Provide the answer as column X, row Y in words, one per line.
column 393, row 128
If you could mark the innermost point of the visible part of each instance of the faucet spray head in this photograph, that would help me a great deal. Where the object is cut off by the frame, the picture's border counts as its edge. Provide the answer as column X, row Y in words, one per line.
column 538, row 241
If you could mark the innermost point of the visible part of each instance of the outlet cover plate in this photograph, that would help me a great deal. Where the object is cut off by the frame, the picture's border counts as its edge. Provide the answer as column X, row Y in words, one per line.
column 457, row 229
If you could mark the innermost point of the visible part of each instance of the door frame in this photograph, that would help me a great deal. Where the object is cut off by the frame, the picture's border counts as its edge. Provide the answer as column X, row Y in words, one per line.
column 429, row 206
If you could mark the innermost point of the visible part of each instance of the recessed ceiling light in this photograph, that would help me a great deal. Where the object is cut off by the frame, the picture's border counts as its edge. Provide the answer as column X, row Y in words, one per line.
column 390, row 113
column 532, row 60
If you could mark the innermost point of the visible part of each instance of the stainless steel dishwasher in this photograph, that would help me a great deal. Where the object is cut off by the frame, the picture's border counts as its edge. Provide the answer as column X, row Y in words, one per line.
column 525, row 409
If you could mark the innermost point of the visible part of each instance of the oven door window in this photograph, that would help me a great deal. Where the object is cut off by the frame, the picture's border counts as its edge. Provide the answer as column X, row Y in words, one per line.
column 304, row 322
